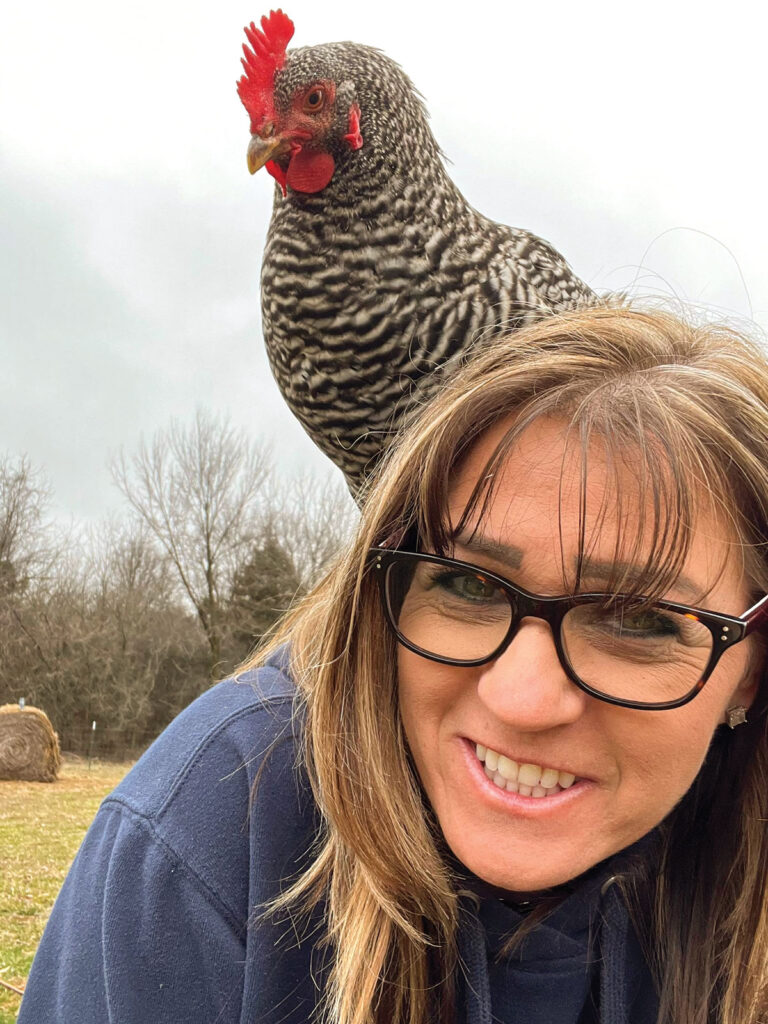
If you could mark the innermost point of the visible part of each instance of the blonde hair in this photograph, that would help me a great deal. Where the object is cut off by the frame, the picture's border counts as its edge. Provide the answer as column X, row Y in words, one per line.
column 691, row 401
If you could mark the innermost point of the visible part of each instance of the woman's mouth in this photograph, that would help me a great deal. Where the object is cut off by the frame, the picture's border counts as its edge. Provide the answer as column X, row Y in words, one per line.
column 525, row 778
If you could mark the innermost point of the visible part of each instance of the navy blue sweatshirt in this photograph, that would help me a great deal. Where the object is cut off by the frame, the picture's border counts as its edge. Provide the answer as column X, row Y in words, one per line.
column 157, row 921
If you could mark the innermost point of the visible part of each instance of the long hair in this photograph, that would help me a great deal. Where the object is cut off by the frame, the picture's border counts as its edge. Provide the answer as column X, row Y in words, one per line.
column 689, row 404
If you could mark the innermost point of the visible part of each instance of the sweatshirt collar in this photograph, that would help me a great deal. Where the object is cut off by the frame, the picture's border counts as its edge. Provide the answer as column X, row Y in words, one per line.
column 588, row 919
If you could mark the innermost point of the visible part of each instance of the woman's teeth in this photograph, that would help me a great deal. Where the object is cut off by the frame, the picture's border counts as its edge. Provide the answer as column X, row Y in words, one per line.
column 525, row 779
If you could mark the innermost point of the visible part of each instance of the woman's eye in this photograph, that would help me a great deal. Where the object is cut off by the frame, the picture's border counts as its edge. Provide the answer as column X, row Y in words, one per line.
column 474, row 588
column 646, row 623
column 314, row 101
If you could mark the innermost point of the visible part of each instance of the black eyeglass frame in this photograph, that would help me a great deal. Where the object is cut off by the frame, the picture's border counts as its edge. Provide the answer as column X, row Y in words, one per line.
column 726, row 630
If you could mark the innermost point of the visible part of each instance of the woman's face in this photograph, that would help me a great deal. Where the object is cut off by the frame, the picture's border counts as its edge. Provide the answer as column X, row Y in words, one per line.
column 632, row 766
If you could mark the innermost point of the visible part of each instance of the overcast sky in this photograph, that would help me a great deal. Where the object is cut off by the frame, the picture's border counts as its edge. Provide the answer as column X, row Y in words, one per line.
column 631, row 137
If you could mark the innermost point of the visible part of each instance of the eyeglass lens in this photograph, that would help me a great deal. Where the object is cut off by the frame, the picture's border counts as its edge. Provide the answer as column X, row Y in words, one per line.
column 640, row 653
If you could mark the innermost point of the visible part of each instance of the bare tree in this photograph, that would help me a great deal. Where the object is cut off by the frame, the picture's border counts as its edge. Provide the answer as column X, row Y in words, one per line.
column 25, row 543
column 125, row 558
column 199, row 491
column 104, row 639
column 312, row 517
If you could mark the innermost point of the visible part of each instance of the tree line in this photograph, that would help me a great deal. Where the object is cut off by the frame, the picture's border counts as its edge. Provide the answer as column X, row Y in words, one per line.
column 124, row 625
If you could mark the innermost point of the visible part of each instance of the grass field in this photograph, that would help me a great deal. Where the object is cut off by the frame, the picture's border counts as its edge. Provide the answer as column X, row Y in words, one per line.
column 41, row 826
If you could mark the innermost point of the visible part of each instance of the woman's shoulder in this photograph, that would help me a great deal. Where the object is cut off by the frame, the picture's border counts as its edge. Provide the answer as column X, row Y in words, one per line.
column 218, row 738
column 225, row 730
column 154, row 919
column 221, row 790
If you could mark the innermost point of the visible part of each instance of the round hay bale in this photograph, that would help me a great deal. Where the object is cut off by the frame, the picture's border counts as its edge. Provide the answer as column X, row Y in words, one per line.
column 29, row 748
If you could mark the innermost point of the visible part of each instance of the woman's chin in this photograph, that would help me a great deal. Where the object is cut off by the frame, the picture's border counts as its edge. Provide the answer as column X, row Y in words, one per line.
column 515, row 877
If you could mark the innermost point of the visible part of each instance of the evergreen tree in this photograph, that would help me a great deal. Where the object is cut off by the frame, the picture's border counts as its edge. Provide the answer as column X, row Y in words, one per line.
column 262, row 590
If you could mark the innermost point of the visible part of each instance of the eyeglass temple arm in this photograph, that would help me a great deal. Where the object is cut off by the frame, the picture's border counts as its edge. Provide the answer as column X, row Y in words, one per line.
column 755, row 616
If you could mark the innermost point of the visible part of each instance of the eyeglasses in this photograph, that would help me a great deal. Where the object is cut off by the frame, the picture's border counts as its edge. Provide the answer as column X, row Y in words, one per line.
column 621, row 649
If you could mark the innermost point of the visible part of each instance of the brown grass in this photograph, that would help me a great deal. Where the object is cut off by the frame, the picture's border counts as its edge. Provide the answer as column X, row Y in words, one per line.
column 41, row 827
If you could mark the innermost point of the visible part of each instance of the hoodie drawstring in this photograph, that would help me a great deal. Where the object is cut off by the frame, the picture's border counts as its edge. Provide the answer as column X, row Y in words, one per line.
column 610, row 948
column 474, row 965
column 612, row 945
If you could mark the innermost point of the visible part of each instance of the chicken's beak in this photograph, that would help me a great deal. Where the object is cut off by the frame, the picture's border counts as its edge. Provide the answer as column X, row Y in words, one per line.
column 260, row 151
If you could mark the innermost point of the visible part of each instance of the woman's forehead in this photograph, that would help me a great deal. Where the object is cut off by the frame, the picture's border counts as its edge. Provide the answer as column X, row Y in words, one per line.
column 601, row 513
column 545, row 466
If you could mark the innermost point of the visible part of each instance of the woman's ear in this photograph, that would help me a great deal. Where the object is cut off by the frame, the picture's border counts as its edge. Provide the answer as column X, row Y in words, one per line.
column 746, row 692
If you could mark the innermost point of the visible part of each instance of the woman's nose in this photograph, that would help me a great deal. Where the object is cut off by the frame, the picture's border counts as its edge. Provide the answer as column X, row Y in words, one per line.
column 526, row 686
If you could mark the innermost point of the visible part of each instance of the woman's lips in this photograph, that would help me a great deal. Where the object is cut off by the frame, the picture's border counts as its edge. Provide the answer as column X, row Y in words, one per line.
column 531, row 799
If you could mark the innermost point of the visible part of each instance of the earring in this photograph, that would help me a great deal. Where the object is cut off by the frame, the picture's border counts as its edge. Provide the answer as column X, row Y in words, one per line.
column 737, row 715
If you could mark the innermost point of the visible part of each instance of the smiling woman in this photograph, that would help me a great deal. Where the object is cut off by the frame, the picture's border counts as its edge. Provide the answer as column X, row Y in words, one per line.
column 521, row 703
column 518, row 755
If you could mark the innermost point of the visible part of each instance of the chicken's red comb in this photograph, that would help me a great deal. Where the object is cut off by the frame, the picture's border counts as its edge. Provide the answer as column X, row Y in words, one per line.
column 255, row 88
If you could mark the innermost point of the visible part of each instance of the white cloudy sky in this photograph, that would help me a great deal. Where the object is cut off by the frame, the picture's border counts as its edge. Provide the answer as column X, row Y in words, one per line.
column 633, row 137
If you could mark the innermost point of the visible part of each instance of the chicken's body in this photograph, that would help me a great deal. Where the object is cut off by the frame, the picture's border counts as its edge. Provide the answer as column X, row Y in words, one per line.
column 386, row 274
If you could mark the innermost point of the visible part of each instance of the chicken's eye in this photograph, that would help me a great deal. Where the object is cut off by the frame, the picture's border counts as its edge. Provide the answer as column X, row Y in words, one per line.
column 314, row 100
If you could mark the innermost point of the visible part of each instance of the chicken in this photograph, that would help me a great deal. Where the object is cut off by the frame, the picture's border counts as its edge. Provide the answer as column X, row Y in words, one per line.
column 378, row 277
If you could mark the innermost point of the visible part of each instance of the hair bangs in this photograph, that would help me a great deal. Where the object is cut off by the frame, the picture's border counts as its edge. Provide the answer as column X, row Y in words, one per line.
column 650, row 504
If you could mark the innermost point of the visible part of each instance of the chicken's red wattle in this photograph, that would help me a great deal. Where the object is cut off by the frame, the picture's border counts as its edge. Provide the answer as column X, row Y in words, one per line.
column 277, row 173
column 310, row 171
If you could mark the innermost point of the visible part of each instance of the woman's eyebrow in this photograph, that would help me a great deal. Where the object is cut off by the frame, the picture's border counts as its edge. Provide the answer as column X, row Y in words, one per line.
column 507, row 553
column 594, row 568
column 591, row 568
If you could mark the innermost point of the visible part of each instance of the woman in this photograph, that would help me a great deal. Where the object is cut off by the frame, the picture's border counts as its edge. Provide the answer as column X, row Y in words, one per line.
column 502, row 764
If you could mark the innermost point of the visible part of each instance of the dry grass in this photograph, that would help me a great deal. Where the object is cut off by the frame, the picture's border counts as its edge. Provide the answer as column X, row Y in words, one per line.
column 41, row 827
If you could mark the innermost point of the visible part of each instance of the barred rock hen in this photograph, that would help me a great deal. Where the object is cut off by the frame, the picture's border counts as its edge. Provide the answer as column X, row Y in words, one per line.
column 377, row 273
